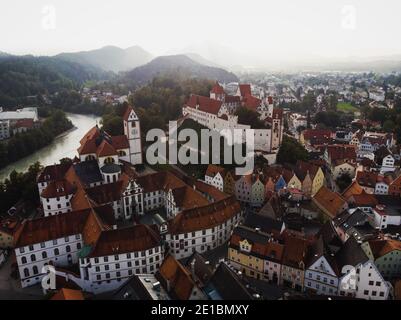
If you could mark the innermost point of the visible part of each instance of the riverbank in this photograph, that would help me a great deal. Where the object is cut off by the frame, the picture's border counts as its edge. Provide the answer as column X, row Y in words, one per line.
column 64, row 145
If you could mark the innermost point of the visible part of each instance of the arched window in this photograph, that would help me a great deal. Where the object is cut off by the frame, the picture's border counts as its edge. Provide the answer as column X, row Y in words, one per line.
column 35, row 270
column 68, row 248
column 33, row 257
column 122, row 153
column 26, row 272
column 23, row 260
column 90, row 158
column 56, row 251
column 44, row 254
column 109, row 160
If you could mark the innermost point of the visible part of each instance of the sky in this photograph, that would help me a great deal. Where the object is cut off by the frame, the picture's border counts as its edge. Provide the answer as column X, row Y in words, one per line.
column 281, row 29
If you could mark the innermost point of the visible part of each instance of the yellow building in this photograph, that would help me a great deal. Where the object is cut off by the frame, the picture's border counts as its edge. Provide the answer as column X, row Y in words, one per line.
column 294, row 182
column 318, row 181
column 254, row 254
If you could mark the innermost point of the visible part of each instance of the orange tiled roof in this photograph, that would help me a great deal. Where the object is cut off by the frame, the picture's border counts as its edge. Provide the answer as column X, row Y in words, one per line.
column 52, row 227
column 382, row 247
column 136, row 238
column 68, row 294
column 205, row 217
column 353, row 189
column 179, row 278
column 329, row 201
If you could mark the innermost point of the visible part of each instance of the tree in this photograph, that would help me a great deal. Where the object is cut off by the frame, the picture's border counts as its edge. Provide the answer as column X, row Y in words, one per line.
column 389, row 126
column 249, row 117
column 330, row 119
column 291, row 151
column 343, row 181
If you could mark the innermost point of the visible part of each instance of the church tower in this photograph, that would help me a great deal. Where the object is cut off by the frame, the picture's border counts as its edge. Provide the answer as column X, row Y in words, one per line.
column 132, row 131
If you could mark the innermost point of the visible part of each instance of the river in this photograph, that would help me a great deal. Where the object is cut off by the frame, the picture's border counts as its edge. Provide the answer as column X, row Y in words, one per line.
column 63, row 146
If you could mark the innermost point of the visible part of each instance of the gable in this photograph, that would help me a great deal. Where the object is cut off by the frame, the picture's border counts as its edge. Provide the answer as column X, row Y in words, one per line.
column 322, row 265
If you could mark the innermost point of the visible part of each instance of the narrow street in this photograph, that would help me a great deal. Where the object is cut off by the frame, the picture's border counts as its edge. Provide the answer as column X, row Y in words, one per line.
column 10, row 289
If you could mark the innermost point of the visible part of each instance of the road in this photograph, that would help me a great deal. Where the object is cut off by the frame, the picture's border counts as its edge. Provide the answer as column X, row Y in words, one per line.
column 10, row 289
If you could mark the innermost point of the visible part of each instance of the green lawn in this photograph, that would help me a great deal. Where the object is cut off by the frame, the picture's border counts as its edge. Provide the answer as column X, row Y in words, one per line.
column 346, row 107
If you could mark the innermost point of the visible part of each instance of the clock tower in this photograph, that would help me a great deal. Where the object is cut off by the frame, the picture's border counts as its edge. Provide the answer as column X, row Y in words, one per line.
column 132, row 131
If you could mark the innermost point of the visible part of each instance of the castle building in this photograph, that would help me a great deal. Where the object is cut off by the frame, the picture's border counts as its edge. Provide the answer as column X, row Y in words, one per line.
column 217, row 112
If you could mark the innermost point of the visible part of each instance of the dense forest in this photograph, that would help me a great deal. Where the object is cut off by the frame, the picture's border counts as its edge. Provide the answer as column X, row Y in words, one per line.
column 27, row 76
column 157, row 103
column 23, row 144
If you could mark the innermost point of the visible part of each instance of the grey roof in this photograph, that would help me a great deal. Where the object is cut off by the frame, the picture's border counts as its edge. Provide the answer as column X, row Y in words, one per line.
column 88, row 172
column 350, row 254
column 203, row 270
column 265, row 223
column 111, row 168
column 294, row 221
column 347, row 219
column 392, row 204
column 251, row 235
column 18, row 115
column 226, row 285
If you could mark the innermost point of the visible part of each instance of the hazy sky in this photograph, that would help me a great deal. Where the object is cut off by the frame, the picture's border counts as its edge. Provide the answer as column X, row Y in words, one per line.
column 281, row 28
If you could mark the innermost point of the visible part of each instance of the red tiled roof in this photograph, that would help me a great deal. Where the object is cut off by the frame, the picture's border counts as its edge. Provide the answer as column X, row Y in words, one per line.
column 53, row 172
column 177, row 276
column 329, row 201
column 50, row 228
column 270, row 99
column 232, row 99
column 382, row 247
column 120, row 142
column 295, row 252
column 277, row 113
column 127, row 113
column 217, row 89
column 251, row 102
column 24, row 123
column 316, row 133
column 136, row 238
column 105, row 149
column 364, row 200
column 367, row 178
column 245, row 90
column 205, row 104
column 58, row 188
column 212, row 170
column 341, row 152
column 205, row 217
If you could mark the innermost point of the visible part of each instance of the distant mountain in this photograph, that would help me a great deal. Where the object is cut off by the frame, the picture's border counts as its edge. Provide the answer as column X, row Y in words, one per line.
column 110, row 58
column 199, row 59
column 24, row 76
column 180, row 65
